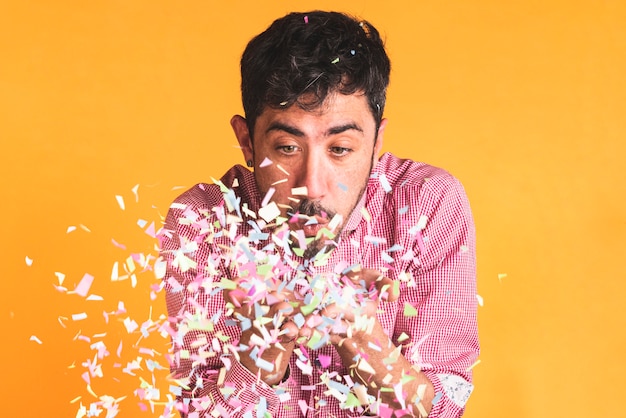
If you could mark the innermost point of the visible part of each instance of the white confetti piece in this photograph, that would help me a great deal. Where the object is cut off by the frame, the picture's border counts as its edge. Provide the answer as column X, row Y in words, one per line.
column 421, row 222
column 269, row 212
column 266, row 162
column 480, row 300
column 299, row 191
column 70, row 228
column 29, row 261
column 35, row 339
column 120, row 201
column 79, row 316
column 60, row 277
column 384, row 182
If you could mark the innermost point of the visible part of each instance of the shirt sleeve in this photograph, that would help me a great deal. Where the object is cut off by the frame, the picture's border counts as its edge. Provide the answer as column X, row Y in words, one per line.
column 211, row 381
column 438, row 295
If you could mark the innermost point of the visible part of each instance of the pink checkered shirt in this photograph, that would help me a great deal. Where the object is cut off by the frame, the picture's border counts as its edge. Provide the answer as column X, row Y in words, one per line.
column 413, row 224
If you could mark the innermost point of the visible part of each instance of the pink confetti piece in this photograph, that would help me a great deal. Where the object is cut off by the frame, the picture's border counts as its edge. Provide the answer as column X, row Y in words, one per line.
column 120, row 201
column 118, row 245
column 150, row 230
column 306, row 21
column 324, row 360
column 303, row 406
column 267, row 197
column 85, row 284
column 35, row 339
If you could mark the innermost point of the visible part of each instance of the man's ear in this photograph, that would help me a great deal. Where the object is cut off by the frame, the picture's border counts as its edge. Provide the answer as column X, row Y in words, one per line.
column 240, row 128
column 378, row 146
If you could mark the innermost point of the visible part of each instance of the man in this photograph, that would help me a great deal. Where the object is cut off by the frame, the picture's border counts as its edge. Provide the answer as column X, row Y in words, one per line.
column 327, row 281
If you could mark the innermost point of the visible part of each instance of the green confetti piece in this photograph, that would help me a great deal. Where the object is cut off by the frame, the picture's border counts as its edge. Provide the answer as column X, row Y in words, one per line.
column 409, row 310
column 307, row 309
column 352, row 401
column 314, row 340
column 227, row 284
column 403, row 337
column 264, row 269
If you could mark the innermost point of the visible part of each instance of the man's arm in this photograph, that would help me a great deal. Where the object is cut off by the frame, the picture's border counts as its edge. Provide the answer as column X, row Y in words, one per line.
column 205, row 359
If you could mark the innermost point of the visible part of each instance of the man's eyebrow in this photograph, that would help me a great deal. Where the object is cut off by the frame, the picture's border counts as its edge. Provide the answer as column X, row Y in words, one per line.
column 342, row 128
column 292, row 130
column 279, row 126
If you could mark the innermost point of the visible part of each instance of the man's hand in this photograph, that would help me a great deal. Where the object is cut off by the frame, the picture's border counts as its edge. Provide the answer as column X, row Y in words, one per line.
column 351, row 303
column 263, row 312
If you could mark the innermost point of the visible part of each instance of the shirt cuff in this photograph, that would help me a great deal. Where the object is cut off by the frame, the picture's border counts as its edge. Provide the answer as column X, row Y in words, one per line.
column 451, row 394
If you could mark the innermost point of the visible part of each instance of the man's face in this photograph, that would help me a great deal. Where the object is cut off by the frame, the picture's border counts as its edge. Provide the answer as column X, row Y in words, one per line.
column 318, row 162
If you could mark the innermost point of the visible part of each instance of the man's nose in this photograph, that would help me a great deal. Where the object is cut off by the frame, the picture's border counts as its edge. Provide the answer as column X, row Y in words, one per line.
column 314, row 176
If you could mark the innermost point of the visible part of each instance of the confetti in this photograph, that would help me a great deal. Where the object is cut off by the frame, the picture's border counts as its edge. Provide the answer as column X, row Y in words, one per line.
column 120, row 201
column 70, row 228
column 29, row 261
column 501, row 276
column 409, row 310
column 35, row 339
column 384, row 182
column 83, row 287
column 299, row 191
column 476, row 363
column 135, row 192
column 269, row 212
column 79, row 316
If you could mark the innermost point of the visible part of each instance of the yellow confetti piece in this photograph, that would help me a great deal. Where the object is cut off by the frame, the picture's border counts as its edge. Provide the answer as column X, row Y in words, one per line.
column 501, row 276
column 476, row 363
column 134, row 190
column 76, row 399
column 364, row 366
column 282, row 169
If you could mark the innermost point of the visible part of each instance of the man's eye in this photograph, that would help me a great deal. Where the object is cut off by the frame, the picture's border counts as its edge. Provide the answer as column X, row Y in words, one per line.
column 288, row 149
column 339, row 151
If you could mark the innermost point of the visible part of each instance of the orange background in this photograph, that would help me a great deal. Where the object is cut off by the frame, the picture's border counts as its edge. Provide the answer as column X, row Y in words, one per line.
column 524, row 101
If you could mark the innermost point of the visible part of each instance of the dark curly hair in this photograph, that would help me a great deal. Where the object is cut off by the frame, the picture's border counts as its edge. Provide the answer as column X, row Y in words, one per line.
column 303, row 57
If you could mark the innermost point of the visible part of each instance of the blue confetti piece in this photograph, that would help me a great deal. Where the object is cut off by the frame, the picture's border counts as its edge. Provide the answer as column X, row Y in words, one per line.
column 437, row 397
column 342, row 186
